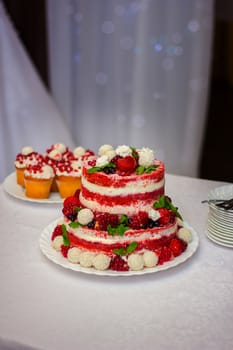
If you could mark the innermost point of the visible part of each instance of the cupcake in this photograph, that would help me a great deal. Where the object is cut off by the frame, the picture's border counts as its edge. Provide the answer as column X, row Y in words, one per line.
column 26, row 157
column 68, row 177
column 38, row 180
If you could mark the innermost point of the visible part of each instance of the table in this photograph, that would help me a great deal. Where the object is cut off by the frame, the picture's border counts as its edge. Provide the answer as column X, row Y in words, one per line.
column 46, row 307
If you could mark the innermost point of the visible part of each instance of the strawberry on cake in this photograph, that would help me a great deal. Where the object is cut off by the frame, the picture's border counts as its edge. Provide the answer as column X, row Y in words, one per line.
column 121, row 218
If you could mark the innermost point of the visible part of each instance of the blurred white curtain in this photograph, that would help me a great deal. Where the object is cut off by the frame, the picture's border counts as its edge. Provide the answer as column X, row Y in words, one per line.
column 134, row 72
column 28, row 115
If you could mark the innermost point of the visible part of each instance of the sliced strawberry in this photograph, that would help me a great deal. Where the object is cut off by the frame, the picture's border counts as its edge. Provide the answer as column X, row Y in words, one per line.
column 126, row 164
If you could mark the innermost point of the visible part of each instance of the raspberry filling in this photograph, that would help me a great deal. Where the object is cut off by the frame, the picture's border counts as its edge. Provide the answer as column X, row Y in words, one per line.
column 150, row 244
column 129, row 199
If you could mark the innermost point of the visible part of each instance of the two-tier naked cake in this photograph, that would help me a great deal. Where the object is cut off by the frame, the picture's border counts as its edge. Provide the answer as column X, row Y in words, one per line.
column 121, row 218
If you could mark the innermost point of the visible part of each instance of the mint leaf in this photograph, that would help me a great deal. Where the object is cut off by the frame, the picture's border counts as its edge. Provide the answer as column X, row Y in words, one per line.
column 77, row 209
column 160, row 203
column 175, row 211
column 124, row 219
column 151, row 168
column 119, row 230
column 125, row 251
column 140, row 170
column 66, row 240
column 143, row 169
column 164, row 202
column 134, row 152
column 131, row 247
column 120, row 251
column 75, row 224
column 94, row 169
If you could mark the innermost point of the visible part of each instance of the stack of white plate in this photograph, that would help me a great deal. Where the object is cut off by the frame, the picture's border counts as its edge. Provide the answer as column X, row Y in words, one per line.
column 220, row 220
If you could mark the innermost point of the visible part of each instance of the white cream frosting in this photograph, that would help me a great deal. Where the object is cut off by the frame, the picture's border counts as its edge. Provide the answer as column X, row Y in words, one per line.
column 146, row 156
column 123, row 151
column 101, row 161
column 104, row 149
column 55, row 155
column 110, row 154
column 45, row 173
column 153, row 214
column 26, row 150
column 59, row 147
column 79, row 151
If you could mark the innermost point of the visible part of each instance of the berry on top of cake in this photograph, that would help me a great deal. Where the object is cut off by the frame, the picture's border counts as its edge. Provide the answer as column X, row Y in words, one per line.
column 120, row 219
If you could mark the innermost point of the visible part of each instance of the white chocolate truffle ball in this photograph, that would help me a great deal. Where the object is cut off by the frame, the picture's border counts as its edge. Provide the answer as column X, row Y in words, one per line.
column 85, row 216
column 124, row 151
column 104, row 149
column 150, row 259
column 26, row 150
column 184, row 234
column 86, row 259
column 146, row 156
column 57, row 243
column 103, row 160
column 79, row 151
column 135, row 262
column 73, row 255
column 101, row 262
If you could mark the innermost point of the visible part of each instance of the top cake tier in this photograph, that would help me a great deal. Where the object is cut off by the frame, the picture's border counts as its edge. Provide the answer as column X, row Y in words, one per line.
column 122, row 184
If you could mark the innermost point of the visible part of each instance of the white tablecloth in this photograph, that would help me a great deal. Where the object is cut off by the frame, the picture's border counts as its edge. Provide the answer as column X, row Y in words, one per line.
column 44, row 306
